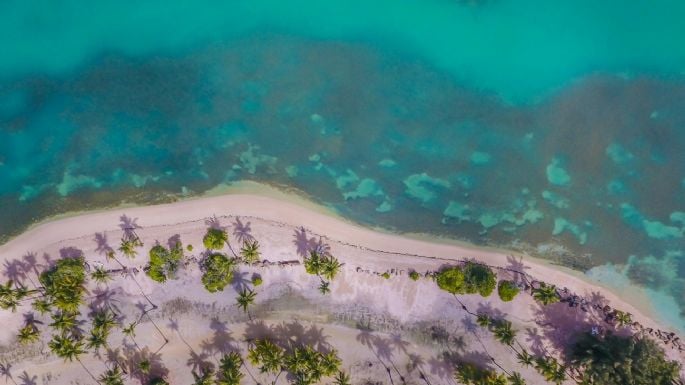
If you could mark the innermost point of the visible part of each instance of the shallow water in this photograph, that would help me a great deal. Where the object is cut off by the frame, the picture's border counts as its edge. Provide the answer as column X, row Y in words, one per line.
column 554, row 128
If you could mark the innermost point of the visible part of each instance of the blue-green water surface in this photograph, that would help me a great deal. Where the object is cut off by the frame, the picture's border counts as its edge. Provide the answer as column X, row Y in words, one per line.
column 554, row 127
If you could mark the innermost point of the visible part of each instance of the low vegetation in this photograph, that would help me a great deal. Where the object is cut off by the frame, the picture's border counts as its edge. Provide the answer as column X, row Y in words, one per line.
column 215, row 239
column 217, row 272
column 164, row 262
column 472, row 278
column 507, row 290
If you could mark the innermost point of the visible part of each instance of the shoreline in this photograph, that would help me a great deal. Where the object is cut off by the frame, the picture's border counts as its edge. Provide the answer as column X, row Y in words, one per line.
column 250, row 199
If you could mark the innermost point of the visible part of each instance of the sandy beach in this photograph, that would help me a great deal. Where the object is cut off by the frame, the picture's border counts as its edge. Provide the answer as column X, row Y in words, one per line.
column 405, row 316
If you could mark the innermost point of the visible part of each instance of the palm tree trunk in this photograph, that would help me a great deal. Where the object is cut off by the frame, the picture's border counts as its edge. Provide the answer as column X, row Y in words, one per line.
column 231, row 248
column 276, row 378
column 88, row 371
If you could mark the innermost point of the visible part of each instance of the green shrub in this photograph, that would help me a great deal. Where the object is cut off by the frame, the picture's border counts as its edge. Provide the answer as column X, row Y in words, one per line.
column 386, row 275
column 479, row 279
column 414, row 275
column 507, row 290
column 163, row 262
column 473, row 278
column 256, row 280
column 451, row 280
column 189, row 248
column 215, row 239
column 218, row 272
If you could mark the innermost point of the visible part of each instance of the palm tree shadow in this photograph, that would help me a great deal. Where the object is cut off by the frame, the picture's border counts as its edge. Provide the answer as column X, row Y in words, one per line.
column 221, row 342
column 199, row 362
column 133, row 358
column 242, row 231
column 70, row 252
column 173, row 241
column 518, row 269
column 128, row 225
column 103, row 247
column 442, row 366
column 468, row 324
column 27, row 379
column 490, row 311
column 536, row 342
column 14, row 270
column 241, row 281
column 6, row 371
column 214, row 223
column 561, row 324
column 302, row 243
column 256, row 330
column 30, row 263
column 306, row 245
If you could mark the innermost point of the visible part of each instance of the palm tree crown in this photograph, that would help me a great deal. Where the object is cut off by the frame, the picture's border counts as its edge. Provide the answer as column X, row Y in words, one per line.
column 250, row 251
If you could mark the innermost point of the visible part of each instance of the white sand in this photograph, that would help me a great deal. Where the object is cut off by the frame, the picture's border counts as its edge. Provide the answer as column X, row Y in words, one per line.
column 273, row 218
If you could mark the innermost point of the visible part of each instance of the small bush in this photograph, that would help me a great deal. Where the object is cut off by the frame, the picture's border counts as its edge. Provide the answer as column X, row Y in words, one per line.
column 256, row 280
column 451, row 280
column 473, row 278
column 386, row 275
column 218, row 272
column 189, row 248
column 414, row 275
column 164, row 262
column 507, row 290
column 215, row 239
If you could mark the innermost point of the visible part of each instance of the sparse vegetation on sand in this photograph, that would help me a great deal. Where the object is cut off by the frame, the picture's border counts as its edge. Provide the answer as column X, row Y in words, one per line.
column 78, row 321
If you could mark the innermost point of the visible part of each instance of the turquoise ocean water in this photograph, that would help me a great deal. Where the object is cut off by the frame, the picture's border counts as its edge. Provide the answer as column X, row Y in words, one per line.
column 553, row 127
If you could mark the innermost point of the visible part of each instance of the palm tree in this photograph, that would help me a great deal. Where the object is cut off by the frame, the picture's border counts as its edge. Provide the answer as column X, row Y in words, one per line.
column 483, row 320
column 112, row 377
column 104, row 319
column 100, row 275
column 267, row 355
column 330, row 268
column 342, row 378
column 68, row 348
column 524, row 358
column 130, row 330
column 97, row 339
column 10, row 302
column 21, row 292
column 545, row 294
column 6, row 289
column 63, row 321
column 144, row 366
column 330, row 363
column 128, row 246
column 229, row 369
column 504, row 333
column 42, row 305
column 245, row 298
column 516, row 379
column 623, row 318
column 250, row 251
column 29, row 333
column 558, row 375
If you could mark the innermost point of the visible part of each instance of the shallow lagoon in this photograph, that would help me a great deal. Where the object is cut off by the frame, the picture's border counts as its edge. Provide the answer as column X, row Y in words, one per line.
column 558, row 130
